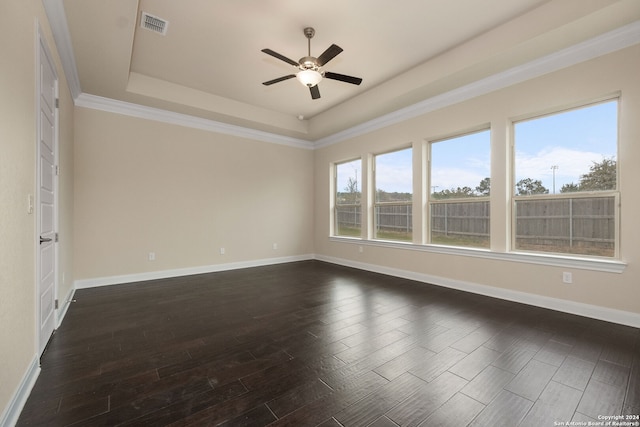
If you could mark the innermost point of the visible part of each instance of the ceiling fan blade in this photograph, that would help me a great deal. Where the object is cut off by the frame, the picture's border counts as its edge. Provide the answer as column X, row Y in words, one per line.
column 279, row 79
column 280, row 57
column 331, row 52
column 315, row 92
column 343, row 78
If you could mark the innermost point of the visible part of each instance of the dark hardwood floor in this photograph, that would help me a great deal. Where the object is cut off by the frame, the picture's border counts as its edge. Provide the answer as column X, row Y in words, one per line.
column 315, row 344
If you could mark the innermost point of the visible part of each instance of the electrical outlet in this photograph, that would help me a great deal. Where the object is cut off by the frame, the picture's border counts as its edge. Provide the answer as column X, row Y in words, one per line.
column 222, row 251
column 567, row 277
column 275, row 246
column 152, row 256
column 360, row 249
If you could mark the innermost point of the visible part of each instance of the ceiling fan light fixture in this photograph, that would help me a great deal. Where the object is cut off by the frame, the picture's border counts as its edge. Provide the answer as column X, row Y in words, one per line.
column 309, row 78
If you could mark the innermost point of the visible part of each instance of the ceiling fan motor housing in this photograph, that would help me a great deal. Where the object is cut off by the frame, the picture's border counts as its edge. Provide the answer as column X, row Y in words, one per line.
column 308, row 63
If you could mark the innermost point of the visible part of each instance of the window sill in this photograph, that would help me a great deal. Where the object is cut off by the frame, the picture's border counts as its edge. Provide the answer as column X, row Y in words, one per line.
column 594, row 264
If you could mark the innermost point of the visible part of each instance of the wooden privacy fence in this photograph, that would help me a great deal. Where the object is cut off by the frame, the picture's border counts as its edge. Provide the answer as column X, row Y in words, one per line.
column 389, row 217
column 469, row 218
column 394, row 217
column 572, row 222
column 348, row 216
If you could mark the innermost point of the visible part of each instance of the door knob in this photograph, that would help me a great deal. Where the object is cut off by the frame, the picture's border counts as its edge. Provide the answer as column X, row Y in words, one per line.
column 44, row 239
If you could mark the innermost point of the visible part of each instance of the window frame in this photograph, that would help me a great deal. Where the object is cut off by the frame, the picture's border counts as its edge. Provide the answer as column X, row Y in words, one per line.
column 615, row 193
column 431, row 201
column 374, row 191
column 335, row 204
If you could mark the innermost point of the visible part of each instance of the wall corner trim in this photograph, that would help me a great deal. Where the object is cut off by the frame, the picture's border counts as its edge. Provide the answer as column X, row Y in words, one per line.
column 566, row 306
column 12, row 411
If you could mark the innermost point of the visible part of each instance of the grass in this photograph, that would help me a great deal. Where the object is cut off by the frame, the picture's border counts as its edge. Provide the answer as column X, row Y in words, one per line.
column 402, row 236
column 481, row 242
column 459, row 240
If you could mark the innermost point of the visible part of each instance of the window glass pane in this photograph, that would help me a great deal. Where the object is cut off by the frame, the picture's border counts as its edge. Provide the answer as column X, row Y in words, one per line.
column 394, row 194
column 568, row 152
column 460, row 169
column 347, row 199
column 580, row 225
column 558, row 158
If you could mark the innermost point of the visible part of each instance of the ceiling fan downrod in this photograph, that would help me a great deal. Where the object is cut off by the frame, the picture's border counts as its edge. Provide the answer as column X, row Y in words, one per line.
column 308, row 62
column 309, row 32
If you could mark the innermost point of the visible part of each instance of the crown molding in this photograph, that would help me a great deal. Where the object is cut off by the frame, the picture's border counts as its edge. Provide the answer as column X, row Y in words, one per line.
column 609, row 42
column 170, row 117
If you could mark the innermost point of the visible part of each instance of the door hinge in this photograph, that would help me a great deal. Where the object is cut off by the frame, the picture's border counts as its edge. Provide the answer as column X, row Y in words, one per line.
column 57, row 170
column 56, row 304
column 56, row 237
column 57, row 102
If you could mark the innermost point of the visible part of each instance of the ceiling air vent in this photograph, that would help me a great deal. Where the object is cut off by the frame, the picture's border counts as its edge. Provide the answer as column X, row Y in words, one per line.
column 153, row 23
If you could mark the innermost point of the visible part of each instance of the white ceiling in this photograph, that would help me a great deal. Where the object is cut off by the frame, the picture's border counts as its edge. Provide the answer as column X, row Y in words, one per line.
column 210, row 65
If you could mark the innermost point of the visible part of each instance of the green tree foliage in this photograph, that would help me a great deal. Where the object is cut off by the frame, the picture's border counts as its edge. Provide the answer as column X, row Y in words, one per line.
column 570, row 188
column 484, row 188
column 454, row 193
column 528, row 186
column 384, row 196
column 601, row 176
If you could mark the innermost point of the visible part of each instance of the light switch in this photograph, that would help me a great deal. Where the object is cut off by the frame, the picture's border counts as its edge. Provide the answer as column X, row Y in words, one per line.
column 29, row 203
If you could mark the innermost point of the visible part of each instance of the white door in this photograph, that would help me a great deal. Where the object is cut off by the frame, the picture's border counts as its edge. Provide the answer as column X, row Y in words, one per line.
column 47, row 133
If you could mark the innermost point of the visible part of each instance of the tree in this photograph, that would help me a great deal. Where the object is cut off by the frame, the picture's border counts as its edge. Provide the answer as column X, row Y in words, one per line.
column 570, row 188
column 385, row 196
column 352, row 185
column 528, row 186
column 454, row 193
column 484, row 188
column 601, row 176
column 351, row 193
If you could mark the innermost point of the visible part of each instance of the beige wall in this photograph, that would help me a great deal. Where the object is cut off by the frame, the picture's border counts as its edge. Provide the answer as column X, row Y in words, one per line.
column 18, row 41
column 143, row 186
column 589, row 80
column 130, row 186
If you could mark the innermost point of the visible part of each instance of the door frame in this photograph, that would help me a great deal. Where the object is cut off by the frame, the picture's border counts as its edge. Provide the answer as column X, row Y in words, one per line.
column 42, row 47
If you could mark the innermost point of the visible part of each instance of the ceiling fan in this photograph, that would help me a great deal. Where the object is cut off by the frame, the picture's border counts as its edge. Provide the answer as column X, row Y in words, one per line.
column 310, row 70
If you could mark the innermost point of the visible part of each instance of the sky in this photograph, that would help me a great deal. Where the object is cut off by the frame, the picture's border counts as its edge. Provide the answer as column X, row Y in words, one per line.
column 571, row 140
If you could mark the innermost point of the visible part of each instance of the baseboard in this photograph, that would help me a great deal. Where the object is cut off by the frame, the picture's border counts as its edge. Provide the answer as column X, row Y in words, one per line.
column 566, row 306
column 165, row 274
column 12, row 411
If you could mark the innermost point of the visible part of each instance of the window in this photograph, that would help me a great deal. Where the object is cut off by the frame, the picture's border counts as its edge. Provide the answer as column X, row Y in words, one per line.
column 460, row 187
column 348, row 199
column 565, row 187
column 393, row 216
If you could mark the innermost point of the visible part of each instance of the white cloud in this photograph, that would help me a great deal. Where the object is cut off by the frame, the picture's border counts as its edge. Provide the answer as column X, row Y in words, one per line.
column 394, row 178
column 571, row 165
column 447, row 178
